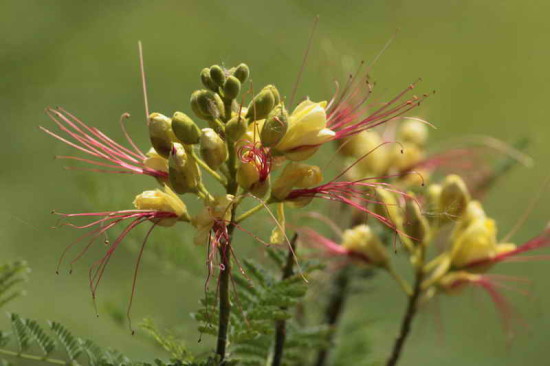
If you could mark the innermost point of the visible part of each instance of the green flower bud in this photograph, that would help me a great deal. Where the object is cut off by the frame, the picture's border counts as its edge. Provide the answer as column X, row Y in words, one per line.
column 217, row 75
column 160, row 133
column 183, row 172
column 415, row 224
column 235, row 128
column 231, row 88
column 212, row 148
column 263, row 103
column 185, row 129
column 207, row 80
column 454, row 197
column 275, row 126
column 241, row 72
column 206, row 104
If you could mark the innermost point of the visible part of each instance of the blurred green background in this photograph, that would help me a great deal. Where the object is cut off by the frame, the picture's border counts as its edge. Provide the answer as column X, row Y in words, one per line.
column 487, row 60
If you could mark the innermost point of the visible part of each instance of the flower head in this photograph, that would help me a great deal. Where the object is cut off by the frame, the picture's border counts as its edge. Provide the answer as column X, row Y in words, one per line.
column 307, row 130
column 158, row 207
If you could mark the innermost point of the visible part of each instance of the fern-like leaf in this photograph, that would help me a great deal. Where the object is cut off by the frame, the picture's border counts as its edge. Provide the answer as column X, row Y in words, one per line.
column 20, row 331
column 68, row 341
column 11, row 274
column 46, row 343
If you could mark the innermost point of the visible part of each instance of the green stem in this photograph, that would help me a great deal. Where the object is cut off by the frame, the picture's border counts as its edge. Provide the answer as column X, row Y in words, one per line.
column 410, row 312
column 280, row 325
column 250, row 212
column 33, row 358
column 209, row 170
column 402, row 283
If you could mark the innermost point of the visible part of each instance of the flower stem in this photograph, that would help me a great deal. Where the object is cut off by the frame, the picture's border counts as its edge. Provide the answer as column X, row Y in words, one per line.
column 250, row 212
column 410, row 312
column 209, row 170
column 280, row 325
column 33, row 358
column 225, row 261
column 335, row 307
column 224, row 300
column 402, row 283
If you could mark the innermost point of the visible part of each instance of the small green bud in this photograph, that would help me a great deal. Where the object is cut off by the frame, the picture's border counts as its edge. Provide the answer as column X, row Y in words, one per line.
column 217, row 75
column 231, row 88
column 206, row 104
column 454, row 197
column 160, row 133
column 207, row 80
column 183, row 172
column 263, row 103
column 212, row 148
column 185, row 129
column 415, row 224
column 241, row 72
column 275, row 126
column 235, row 128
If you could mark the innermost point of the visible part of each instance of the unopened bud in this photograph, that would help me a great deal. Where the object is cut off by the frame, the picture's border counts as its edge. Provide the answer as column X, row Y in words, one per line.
column 454, row 197
column 217, row 75
column 416, row 225
column 160, row 133
column 406, row 156
column 388, row 207
column 166, row 201
column 275, row 126
column 433, row 196
column 362, row 241
column 212, row 148
column 206, row 104
column 184, row 173
column 207, row 80
column 263, row 103
column 241, row 72
column 185, row 129
column 235, row 128
column 413, row 131
column 231, row 88
column 296, row 175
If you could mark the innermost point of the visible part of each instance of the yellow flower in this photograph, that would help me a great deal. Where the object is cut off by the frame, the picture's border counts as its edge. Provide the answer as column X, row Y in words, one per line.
column 476, row 242
column 155, row 161
column 296, row 175
column 166, row 201
column 361, row 239
column 306, row 131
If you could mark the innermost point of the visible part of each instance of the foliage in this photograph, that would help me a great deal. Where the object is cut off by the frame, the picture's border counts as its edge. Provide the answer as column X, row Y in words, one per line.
column 260, row 298
column 12, row 274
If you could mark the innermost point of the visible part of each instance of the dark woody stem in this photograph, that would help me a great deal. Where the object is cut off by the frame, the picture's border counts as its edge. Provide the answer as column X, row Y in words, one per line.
column 408, row 317
column 280, row 325
column 338, row 297
column 335, row 308
column 225, row 259
column 225, row 303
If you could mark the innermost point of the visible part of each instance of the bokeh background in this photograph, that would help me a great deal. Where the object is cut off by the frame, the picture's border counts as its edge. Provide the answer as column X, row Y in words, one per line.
column 487, row 60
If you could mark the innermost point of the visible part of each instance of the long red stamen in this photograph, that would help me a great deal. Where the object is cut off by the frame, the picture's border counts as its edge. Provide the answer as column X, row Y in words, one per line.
column 91, row 141
column 254, row 153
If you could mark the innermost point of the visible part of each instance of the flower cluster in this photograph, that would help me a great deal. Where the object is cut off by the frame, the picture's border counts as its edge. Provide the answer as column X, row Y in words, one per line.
column 445, row 213
column 255, row 149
